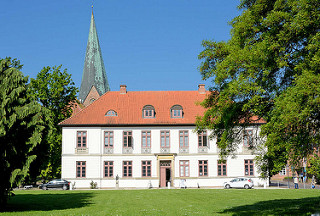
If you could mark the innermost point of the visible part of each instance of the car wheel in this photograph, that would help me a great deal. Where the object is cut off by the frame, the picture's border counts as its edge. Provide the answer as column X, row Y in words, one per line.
column 64, row 187
column 44, row 188
column 246, row 186
column 227, row 186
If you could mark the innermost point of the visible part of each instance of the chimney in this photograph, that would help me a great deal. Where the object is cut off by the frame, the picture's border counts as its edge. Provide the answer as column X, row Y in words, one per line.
column 201, row 89
column 123, row 89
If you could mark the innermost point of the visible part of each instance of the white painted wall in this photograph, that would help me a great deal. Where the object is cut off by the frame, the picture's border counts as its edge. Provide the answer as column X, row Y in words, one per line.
column 95, row 158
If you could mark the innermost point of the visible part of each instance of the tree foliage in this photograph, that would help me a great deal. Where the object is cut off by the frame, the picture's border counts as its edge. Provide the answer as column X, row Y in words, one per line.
column 21, row 127
column 269, row 68
column 54, row 90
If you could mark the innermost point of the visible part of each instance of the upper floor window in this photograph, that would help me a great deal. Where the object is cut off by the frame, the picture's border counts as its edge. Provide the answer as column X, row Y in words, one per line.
column 176, row 111
column 183, row 138
column 108, row 139
column 146, row 139
column 148, row 111
column 81, row 139
column 202, row 139
column 248, row 138
column 165, row 139
column 127, row 138
column 111, row 113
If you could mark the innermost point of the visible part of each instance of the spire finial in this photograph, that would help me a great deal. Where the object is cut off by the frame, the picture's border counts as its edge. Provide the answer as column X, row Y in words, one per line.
column 92, row 6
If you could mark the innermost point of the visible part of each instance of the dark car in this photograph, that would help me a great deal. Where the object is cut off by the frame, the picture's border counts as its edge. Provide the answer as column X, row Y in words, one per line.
column 55, row 184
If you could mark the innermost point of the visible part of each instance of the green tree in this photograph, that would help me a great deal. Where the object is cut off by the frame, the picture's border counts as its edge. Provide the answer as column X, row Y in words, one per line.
column 54, row 90
column 273, row 50
column 21, row 127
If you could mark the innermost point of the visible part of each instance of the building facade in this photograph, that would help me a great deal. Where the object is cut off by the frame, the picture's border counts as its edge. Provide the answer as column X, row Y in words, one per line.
column 148, row 139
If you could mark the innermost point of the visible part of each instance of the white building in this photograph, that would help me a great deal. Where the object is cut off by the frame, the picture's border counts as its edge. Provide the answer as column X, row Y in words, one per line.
column 147, row 139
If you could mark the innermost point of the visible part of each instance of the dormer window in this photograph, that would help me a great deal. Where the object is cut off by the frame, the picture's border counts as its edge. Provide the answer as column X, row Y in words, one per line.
column 148, row 111
column 176, row 111
column 111, row 113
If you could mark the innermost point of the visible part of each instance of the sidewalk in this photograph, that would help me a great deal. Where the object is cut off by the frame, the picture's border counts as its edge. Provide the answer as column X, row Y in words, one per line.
column 284, row 184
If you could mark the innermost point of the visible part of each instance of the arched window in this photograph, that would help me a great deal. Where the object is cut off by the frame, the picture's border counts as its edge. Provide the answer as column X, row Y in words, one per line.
column 148, row 111
column 176, row 111
column 111, row 113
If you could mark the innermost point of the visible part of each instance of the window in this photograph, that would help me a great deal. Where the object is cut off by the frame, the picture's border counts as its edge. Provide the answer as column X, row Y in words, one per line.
column 176, row 111
column 248, row 138
column 81, row 139
column 222, row 168
column 203, row 168
column 111, row 113
column 184, row 168
column 202, row 139
column 248, row 167
column 108, row 139
column 283, row 172
column 108, row 169
column 127, row 139
column 146, row 139
column 148, row 111
column 183, row 138
column 165, row 139
column 146, row 168
column 81, row 169
column 127, row 168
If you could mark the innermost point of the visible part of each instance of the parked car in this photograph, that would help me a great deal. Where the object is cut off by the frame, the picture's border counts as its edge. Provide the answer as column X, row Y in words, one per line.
column 246, row 183
column 56, row 183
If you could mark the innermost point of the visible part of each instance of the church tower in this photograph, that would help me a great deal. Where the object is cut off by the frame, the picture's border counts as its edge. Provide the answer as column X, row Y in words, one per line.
column 94, row 78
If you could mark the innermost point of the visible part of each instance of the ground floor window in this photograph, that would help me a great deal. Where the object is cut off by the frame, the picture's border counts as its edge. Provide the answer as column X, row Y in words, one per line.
column 81, row 169
column 222, row 168
column 203, row 168
column 146, row 168
column 108, row 169
column 184, row 168
column 127, row 168
column 248, row 167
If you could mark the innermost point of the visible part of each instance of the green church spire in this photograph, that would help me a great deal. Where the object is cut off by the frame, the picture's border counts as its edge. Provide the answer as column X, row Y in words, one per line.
column 94, row 72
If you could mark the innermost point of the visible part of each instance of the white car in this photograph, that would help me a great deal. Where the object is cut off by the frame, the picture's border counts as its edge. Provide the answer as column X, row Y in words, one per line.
column 239, row 183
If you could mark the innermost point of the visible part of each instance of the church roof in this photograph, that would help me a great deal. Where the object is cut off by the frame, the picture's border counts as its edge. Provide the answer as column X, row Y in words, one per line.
column 94, row 73
column 128, row 107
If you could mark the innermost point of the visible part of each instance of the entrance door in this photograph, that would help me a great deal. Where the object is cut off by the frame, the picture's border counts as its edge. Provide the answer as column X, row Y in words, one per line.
column 165, row 173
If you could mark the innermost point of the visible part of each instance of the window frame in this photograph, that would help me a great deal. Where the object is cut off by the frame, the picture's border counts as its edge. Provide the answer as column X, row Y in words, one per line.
column 83, row 134
column 247, row 138
column 108, row 136
column 128, row 136
column 106, row 171
column 247, row 164
column 128, row 166
column 81, row 168
column 148, row 111
column 144, row 138
column 176, row 111
column 111, row 113
column 183, row 167
column 147, row 168
column 201, row 138
column 202, row 164
column 165, row 136
column 184, row 137
column 221, row 164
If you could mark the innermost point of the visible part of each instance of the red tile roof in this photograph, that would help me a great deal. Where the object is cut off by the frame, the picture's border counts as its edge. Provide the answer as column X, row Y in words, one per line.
column 129, row 108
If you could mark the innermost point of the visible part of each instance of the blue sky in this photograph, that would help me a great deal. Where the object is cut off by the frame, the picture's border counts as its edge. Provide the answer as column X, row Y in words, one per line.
column 146, row 44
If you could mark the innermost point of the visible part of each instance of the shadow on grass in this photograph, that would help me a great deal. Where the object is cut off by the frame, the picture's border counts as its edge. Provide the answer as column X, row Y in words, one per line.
column 48, row 202
column 304, row 206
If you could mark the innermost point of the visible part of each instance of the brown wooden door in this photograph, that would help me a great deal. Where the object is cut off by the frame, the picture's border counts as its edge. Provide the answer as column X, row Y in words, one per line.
column 163, row 177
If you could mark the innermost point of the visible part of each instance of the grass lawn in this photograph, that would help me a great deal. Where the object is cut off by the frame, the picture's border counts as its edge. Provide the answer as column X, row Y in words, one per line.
column 165, row 202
